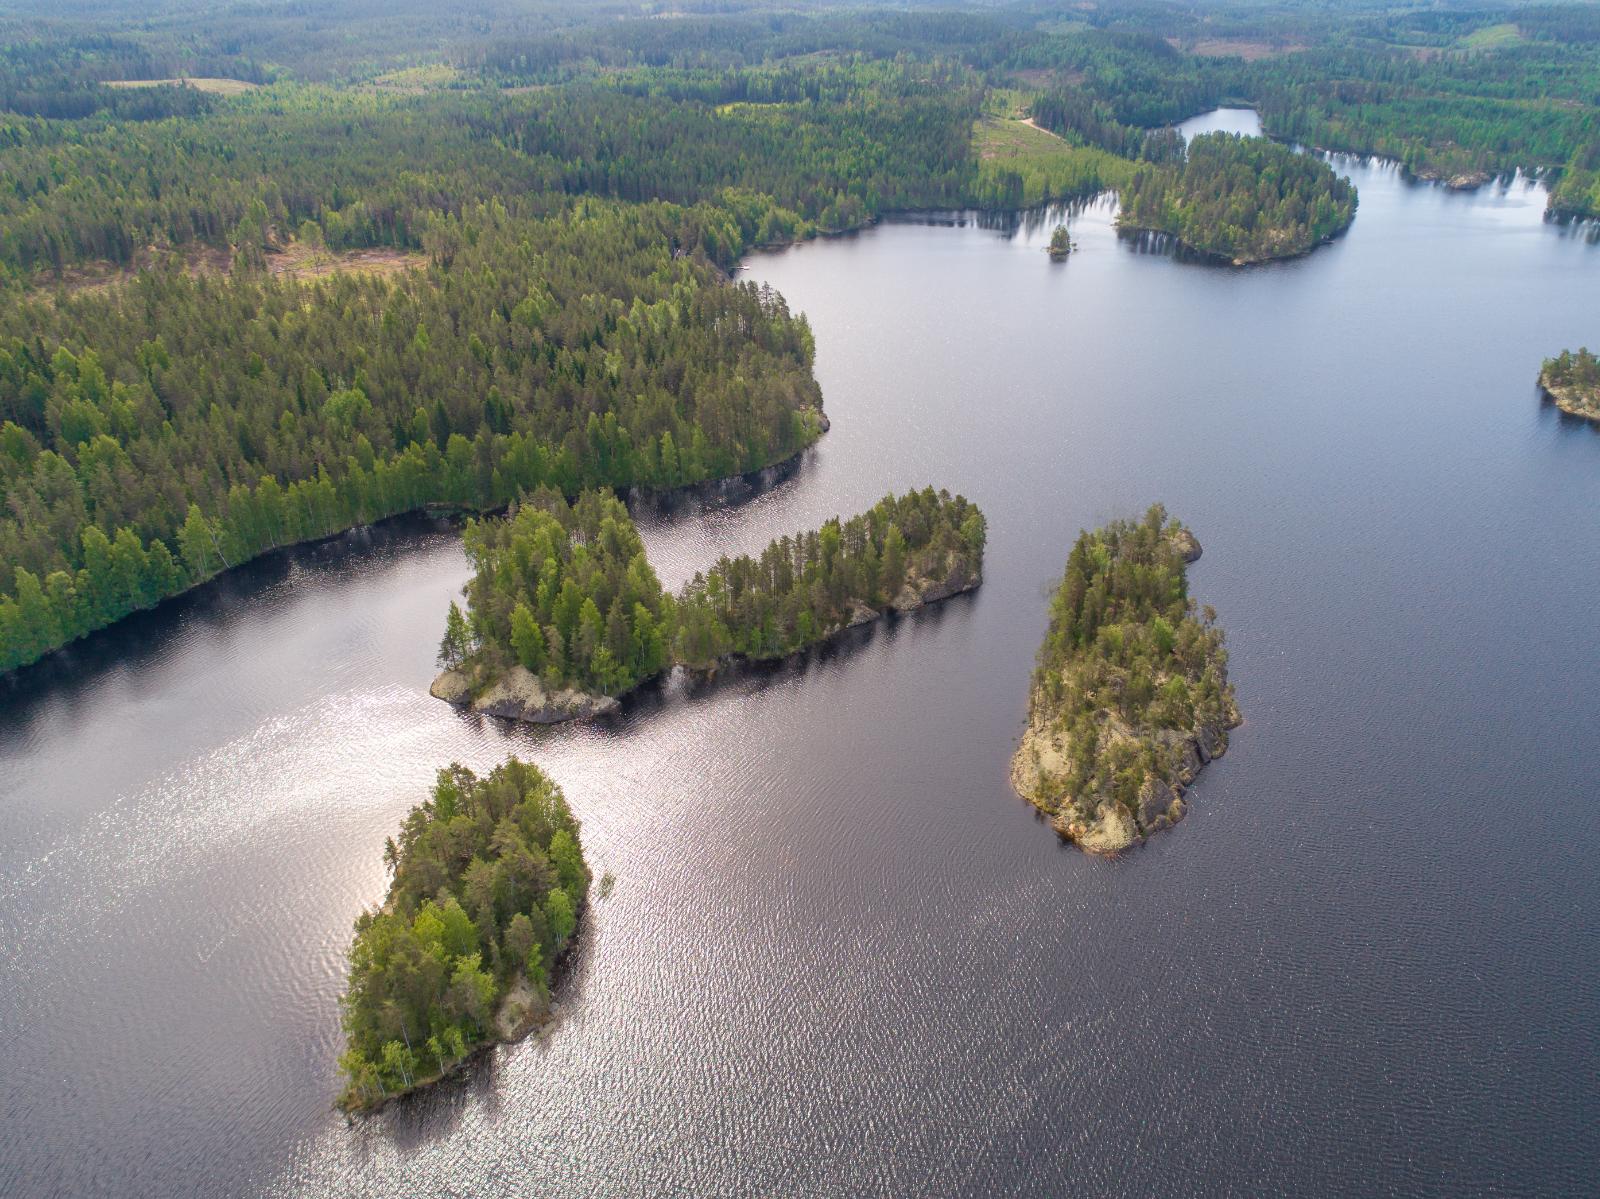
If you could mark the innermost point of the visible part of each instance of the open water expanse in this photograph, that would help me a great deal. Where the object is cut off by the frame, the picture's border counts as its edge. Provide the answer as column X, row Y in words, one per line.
column 841, row 957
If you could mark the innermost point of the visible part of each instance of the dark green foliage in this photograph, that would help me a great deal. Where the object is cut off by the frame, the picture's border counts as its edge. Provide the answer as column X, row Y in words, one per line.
column 1131, row 78
column 1078, row 117
column 196, row 422
column 1129, row 668
column 1441, row 113
column 1577, row 192
column 488, row 879
column 1567, row 369
column 566, row 591
column 805, row 588
column 1413, row 84
column 371, row 170
column 1241, row 198
column 156, row 435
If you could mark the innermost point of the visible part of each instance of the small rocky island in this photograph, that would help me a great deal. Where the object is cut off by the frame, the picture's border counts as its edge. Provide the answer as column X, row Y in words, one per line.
column 1572, row 383
column 564, row 612
column 1060, row 244
column 1130, row 698
column 489, row 882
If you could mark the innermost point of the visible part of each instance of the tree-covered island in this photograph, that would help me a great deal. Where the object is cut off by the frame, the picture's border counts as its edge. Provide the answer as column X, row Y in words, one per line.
column 564, row 612
column 488, row 884
column 1572, row 381
column 1240, row 199
column 1130, row 697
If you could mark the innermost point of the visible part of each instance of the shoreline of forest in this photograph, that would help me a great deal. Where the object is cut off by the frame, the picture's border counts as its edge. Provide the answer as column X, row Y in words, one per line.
column 733, row 489
column 487, row 896
column 518, row 695
column 1572, row 399
column 536, row 1020
column 1185, row 252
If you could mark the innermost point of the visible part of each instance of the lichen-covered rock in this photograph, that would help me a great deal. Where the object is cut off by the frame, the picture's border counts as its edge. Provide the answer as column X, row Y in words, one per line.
column 453, row 686
column 518, row 694
column 1187, row 544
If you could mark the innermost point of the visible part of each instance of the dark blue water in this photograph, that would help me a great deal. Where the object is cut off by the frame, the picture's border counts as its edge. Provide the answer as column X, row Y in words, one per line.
column 841, row 957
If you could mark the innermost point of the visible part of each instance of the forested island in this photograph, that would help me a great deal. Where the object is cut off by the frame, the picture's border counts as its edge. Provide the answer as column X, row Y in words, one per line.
column 1130, row 697
column 564, row 612
column 1572, row 382
column 1240, row 199
column 489, row 883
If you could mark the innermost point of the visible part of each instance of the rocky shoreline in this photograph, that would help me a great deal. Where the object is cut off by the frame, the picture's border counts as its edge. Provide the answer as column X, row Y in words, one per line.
column 1113, row 827
column 519, row 694
column 1088, row 744
column 1572, row 400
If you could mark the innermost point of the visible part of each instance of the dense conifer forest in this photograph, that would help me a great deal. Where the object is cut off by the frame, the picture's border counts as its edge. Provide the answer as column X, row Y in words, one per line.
column 157, row 434
column 1131, row 695
column 561, row 192
column 488, row 883
column 905, row 551
column 1243, row 199
column 566, row 592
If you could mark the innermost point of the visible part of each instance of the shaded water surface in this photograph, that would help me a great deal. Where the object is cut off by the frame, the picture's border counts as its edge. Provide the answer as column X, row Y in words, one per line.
column 840, row 956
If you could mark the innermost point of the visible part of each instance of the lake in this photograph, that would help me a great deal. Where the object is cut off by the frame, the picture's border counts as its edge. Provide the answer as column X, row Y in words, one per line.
column 841, row 957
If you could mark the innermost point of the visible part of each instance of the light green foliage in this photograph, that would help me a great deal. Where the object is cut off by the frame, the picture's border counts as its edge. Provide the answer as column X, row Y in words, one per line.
column 477, row 868
column 569, row 577
column 559, row 912
column 1019, row 165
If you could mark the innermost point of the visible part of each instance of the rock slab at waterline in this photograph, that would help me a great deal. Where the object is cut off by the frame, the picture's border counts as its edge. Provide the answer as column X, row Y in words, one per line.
column 518, row 694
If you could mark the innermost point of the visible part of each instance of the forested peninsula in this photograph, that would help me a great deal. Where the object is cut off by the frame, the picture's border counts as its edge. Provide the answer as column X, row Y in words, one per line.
column 1240, row 199
column 489, row 883
column 1572, row 383
column 1130, row 697
column 564, row 612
